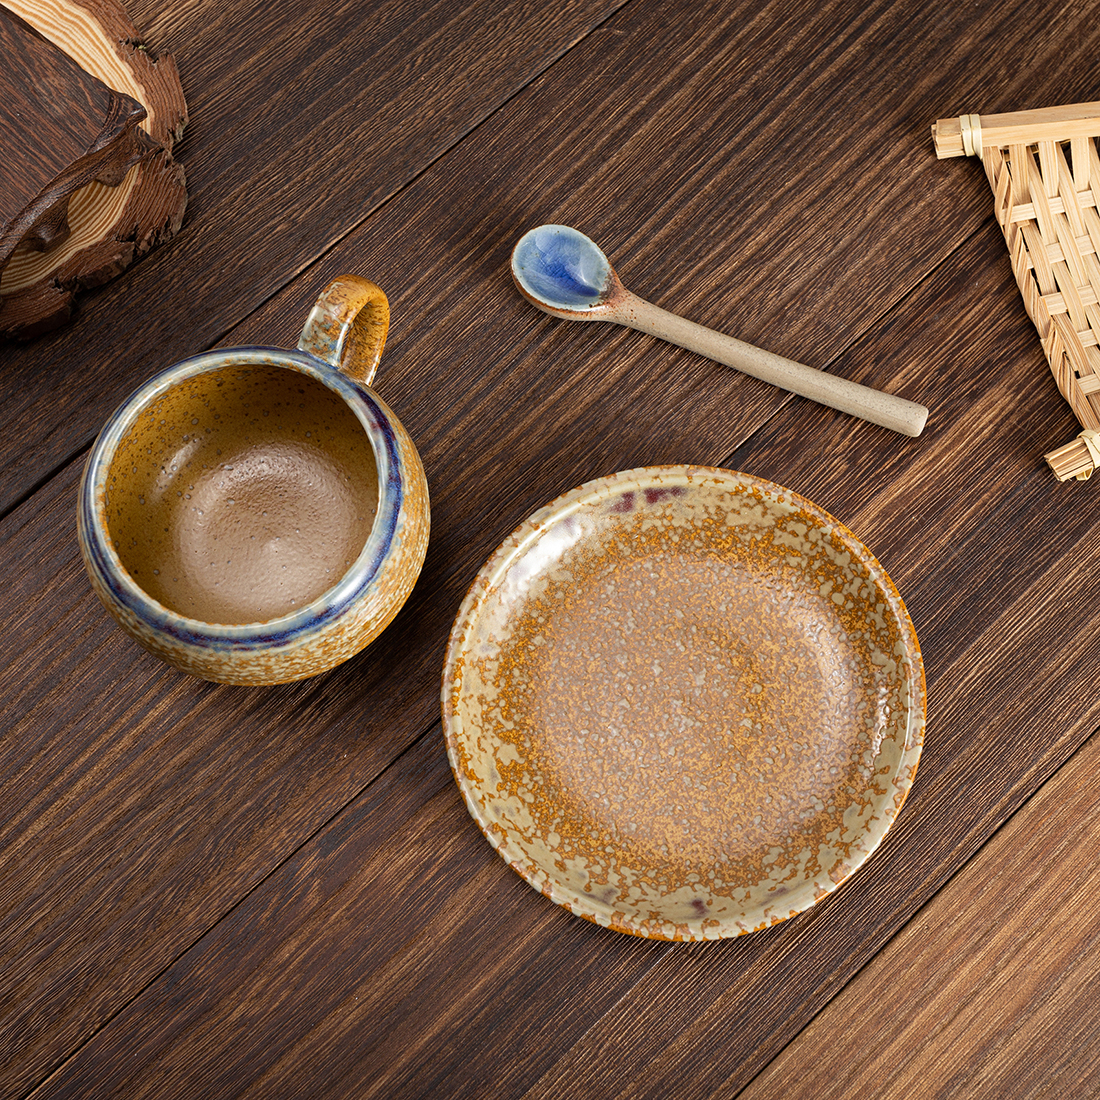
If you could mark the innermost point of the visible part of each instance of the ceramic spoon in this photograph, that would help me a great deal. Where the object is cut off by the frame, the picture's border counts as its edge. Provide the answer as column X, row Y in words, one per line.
column 565, row 274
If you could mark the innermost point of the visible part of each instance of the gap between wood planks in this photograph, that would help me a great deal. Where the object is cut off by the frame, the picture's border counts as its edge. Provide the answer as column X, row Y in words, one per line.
column 258, row 884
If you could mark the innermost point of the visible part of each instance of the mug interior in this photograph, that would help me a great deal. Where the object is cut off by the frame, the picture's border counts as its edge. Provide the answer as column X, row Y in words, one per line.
column 241, row 494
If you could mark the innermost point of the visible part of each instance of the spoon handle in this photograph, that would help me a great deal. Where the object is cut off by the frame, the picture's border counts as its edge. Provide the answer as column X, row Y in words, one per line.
column 879, row 408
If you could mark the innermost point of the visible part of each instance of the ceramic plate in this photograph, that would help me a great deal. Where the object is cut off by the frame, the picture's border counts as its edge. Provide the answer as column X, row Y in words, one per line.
column 683, row 702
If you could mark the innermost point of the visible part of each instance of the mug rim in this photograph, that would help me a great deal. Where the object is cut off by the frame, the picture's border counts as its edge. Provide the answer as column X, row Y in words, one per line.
column 373, row 417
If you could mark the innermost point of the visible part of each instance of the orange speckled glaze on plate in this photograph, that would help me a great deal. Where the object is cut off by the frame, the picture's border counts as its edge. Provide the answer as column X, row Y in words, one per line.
column 683, row 702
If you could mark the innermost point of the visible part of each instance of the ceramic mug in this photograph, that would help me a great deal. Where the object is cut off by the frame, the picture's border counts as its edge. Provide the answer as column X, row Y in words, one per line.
column 254, row 515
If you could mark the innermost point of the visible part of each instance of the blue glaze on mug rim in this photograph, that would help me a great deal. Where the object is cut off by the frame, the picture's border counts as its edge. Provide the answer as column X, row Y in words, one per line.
column 560, row 266
column 286, row 629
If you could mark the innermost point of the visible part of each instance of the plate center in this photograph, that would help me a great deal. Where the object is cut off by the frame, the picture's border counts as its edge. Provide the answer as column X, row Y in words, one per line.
column 695, row 709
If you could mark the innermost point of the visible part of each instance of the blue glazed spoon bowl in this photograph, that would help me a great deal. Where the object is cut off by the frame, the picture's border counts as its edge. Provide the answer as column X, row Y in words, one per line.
column 564, row 273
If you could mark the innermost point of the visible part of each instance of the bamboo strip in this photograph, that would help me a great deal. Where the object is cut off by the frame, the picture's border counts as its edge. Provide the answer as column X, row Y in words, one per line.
column 1027, row 127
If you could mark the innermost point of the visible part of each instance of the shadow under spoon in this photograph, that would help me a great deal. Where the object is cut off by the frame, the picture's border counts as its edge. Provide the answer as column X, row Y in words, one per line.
column 564, row 273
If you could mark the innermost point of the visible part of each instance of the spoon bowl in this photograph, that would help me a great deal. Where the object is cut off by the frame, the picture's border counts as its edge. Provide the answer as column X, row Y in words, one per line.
column 566, row 274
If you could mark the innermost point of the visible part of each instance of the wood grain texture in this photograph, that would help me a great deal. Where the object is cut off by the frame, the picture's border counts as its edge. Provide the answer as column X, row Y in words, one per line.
column 141, row 805
column 116, row 216
column 992, row 989
column 217, row 891
column 349, row 110
column 398, row 908
column 669, row 1009
column 62, row 128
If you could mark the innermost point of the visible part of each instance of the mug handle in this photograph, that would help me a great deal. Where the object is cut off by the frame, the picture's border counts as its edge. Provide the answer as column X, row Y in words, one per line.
column 347, row 327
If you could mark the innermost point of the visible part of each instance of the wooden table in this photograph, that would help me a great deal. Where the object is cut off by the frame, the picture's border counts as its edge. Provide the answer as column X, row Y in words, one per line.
column 212, row 892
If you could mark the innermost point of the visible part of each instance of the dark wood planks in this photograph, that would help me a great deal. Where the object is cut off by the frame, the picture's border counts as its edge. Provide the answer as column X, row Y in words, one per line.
column 992, row 989
column 148, row 807
column 454, row 973
column 396, row 955
column 362, row 952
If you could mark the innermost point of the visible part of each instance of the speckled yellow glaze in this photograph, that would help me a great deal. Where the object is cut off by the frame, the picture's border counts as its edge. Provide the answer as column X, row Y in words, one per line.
column 683, row 702
column 256, row 515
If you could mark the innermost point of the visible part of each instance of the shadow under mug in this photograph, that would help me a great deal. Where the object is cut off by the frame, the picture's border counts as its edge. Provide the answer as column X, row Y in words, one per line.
column 255, row 515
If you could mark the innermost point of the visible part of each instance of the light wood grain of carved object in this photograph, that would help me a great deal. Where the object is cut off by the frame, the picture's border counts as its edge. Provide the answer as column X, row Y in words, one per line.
column 110, row 226
column 61, row 129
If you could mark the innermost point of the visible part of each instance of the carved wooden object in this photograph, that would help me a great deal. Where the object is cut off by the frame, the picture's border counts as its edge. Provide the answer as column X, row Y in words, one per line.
column 63, row 129
column 98, row 112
